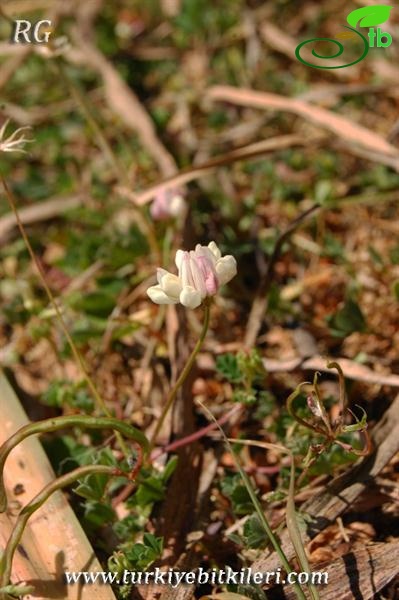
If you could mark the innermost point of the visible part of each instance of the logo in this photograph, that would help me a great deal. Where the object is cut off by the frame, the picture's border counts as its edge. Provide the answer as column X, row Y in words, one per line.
column 26, row 32
column 368, row 16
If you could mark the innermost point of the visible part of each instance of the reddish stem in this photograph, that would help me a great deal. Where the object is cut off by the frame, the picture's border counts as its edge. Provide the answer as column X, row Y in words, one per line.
column 189, row 439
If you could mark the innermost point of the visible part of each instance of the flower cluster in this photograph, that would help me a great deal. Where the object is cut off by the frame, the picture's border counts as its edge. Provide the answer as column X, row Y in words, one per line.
column 201, row 272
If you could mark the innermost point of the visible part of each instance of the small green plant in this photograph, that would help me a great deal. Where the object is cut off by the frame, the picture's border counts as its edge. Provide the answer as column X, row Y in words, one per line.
column 246, row 372
column 135, row 556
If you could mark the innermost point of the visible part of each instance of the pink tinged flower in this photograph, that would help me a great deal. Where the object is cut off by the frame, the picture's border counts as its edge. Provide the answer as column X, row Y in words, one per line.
column 200, row 274
column 314, row 406
column 209, row 275
column 167, row 204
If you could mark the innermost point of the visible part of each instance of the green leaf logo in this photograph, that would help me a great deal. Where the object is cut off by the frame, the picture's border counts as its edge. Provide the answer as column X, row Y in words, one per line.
column 369, row 16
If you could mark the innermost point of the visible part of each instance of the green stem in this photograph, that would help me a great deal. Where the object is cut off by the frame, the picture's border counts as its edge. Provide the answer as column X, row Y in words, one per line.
column 295, row 533
column 57, row 423
column 78, row 357
column 258, row 508
column 34, row 505
column 183, row 376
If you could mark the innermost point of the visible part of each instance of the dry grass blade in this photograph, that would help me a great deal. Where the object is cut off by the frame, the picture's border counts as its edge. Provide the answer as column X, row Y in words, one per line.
column 244, row 153
column 124, row 102
column 11, row 66
column 351, row 369
column 342, row 127
column 291, row 517
column 54, row 540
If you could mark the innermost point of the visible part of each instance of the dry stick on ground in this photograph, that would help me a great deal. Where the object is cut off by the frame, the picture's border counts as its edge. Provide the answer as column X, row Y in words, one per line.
column 360, row 574
column 345, row 129
column 340, row 494
column 243, row 153
column 124, row 102
column 54, row 540
column 12, row 65
column 41, row 211
column 351, row 369
column 259, row 305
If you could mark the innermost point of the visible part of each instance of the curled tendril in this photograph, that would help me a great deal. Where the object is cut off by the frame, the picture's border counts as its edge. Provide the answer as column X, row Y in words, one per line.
column 57, row 423
column 336, row 55
column 342, row 389
column 330, row 431
column 360, row 424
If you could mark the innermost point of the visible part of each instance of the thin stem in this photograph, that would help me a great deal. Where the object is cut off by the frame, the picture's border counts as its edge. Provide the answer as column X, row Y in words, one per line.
column 343, row 400
column 183, row 376
column 58, row 423
column 295, row 533
column 197, row 435
column 259, row 306
column 35, row 504
column 291, row 517
column 189, row 439
column 258, row 508
column 78, row 357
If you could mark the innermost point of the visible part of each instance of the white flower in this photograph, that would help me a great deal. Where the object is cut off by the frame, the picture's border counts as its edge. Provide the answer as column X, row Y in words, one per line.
column 200, row 274
column 167, row 204
column 13, row 143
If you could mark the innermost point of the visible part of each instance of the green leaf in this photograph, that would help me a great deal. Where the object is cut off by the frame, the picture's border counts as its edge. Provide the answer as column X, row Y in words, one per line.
column 169, row 468
column 234, row 489
column 227, row 365
column 98, row 514
column 88, row 328
column 245, row 396
column 93, row 486
column 376, row 256
column 141, row 555
column 359, row 425
column 62, row 393
column 369, row 16
column 150, row 490
column 254, row 534
column 97, row 304
column 347, row 320
column 266, row 404
column 127, row 527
